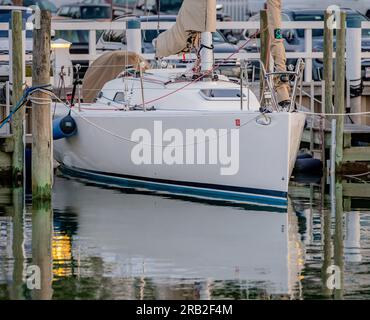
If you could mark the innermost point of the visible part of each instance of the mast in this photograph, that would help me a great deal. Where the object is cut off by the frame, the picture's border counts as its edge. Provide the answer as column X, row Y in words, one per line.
column 196, row 19
column 206, row 53
column 133, row 35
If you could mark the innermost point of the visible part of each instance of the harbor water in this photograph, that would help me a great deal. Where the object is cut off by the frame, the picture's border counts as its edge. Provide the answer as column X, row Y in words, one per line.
column 99, row 242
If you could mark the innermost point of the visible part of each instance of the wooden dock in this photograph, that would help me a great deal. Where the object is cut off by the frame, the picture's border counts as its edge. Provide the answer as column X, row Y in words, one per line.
column 356, row 148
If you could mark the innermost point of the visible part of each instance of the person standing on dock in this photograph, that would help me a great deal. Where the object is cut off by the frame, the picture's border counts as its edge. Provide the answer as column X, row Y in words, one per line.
column 278, row 51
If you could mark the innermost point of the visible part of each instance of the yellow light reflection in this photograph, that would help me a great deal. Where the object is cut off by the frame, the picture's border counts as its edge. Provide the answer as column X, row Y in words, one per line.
column 62, row 255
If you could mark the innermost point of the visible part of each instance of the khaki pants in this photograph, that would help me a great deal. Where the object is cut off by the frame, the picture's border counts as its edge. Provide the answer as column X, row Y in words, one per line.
column 277, row 47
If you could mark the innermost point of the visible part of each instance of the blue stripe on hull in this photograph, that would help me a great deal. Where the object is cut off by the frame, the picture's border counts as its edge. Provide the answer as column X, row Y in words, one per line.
column 257, row 196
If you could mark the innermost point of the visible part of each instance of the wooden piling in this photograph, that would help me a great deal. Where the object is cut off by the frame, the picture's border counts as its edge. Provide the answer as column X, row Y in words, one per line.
column 328, row 63
column 340, row 84
column 42, row 168
column 264, row 52
column 18, row 118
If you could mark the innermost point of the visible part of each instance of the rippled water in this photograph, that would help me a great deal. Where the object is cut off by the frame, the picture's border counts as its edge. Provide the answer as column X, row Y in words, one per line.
column 105, row 243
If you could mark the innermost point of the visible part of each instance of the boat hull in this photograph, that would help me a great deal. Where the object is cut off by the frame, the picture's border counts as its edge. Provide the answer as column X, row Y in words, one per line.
column 258, row 172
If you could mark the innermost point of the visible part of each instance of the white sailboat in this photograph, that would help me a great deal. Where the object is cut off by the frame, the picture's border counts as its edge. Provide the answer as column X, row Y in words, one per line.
column 184, row 131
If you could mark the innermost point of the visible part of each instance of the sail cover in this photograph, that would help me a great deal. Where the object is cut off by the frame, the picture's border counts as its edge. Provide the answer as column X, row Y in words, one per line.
column 195, row 16
column 105, row 68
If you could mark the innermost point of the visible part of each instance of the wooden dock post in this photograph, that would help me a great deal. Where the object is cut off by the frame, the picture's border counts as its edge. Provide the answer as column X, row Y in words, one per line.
column 340, row 86
column 18, row 119
column 42, row 143
column 328, row 62
column 264, row 54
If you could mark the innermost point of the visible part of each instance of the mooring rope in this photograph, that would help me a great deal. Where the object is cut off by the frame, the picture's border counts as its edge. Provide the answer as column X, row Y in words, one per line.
column 22, row 102
column 324, row 114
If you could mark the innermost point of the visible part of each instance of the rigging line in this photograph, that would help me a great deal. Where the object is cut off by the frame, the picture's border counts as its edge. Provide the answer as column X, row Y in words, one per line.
column 357, row 179
column 358, row 175
column 207, row 73
column 310, row 96
column 159, row 14
column 324, row 114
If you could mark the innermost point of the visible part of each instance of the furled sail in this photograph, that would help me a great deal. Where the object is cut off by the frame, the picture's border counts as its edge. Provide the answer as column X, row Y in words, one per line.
column 195, row 16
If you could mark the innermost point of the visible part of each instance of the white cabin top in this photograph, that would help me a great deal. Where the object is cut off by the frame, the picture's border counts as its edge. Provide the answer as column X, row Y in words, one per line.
column 174, row 89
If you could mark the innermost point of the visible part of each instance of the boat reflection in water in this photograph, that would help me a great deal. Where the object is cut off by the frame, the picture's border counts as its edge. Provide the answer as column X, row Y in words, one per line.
column 131, row 245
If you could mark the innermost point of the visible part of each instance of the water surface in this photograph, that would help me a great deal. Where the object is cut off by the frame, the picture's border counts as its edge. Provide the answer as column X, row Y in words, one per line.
column 107, row 243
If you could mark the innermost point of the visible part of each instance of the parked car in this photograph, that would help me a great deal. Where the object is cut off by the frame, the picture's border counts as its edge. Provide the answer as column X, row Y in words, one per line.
column 172, row 7
column 362, row 6
column 120, row 7
column 166, row 6
column 79, row 44
column 116, row 40
column 5, row 16
column 86, row 11
column 6, row 3
column 43, row 4
column 294, row 38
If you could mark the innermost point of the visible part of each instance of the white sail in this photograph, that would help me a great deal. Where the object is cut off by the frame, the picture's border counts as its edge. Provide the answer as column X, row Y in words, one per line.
column 195, row 16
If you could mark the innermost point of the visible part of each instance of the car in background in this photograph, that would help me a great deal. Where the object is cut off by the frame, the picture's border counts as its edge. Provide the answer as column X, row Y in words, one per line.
column 295, row 40
column 362, row 6
column 120, row 7
column 86, row 11
column 166, row 6
column 169, row 7
column 5, row 16
column 43, row 4
column 79, row 40
column 112, row 40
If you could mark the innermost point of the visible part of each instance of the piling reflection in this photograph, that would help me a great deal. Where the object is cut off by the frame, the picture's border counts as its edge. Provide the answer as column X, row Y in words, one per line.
column 42, row 231
column 338, row 242
column 352, row 242
column 327, row 253
column 17, row 288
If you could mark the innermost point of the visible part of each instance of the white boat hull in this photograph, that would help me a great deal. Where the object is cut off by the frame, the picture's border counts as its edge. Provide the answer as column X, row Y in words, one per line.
column 101, row 151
